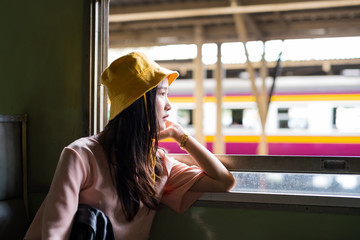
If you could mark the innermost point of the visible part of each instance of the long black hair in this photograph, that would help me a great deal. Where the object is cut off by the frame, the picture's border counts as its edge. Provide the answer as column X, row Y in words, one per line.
column 131, row 142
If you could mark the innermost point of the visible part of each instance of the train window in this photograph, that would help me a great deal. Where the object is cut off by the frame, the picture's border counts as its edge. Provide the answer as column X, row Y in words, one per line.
column 347, row 118
column 296, row 183
column 185, row 117
column 242, row 118
column 292, row 118
column 233, row 117
column 283, row 116
column 334, row 117
column 292, row 180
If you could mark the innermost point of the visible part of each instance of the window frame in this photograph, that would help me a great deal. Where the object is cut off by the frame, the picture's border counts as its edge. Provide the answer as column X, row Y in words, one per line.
column 241, row 163
column 98, row 61
column 285, row 164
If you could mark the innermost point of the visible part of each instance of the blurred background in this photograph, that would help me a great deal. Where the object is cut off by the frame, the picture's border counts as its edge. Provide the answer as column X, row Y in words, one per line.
column 262, row 77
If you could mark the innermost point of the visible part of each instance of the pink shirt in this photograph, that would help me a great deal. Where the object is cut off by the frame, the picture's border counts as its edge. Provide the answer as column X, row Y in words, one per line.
column 82, row 176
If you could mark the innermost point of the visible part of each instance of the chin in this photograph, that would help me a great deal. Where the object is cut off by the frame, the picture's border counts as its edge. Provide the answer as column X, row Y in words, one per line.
column 162, row 127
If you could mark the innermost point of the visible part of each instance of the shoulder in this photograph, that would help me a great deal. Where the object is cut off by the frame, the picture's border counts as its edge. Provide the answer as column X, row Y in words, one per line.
column 85, row 145
column 84, row 151
column 85, row 142
column 79, row 158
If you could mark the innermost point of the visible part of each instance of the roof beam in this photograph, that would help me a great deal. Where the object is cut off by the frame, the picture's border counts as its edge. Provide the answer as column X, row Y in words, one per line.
column 188, row 65
column 278, row 7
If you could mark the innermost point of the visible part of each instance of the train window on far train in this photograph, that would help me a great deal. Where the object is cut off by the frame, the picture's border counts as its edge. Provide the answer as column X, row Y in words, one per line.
column 283, row 116
column 346, row 118
column 233, row 117
column 242, row 118
column 185, row 117
column 292, row 118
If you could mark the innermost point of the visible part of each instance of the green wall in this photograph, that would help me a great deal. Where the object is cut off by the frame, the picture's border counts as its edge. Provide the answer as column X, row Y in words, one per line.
column 214, row 223
column 41, row 74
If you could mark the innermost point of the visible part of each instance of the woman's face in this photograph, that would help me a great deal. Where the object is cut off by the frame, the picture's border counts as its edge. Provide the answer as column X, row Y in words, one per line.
column 162, row 103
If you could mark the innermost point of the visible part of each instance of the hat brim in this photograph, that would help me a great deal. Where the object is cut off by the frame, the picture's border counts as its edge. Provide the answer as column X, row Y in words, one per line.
column 171, row 75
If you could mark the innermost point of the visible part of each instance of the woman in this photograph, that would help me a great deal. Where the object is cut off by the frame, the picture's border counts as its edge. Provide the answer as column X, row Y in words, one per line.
column 121, row 171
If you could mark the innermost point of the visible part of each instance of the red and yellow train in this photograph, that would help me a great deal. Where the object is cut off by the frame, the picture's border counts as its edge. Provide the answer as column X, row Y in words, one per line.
column 312, row 115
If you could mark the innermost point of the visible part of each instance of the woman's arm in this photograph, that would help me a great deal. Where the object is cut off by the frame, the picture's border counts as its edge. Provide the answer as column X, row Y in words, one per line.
column 63, row 197
column 217, row 178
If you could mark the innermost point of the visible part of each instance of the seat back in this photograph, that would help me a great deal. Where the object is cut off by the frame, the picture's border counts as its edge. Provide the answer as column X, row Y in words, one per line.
column 13, row 184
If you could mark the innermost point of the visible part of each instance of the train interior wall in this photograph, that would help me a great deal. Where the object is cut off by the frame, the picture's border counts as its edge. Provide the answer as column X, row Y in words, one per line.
column 42, row 58
column 43, row 49
column 266, row 222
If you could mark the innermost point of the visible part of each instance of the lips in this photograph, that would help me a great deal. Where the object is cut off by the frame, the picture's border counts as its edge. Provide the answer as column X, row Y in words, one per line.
column 165, row 117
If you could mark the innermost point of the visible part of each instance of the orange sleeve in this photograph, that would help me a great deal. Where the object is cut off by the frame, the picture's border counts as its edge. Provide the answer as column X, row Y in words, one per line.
column 177, row 194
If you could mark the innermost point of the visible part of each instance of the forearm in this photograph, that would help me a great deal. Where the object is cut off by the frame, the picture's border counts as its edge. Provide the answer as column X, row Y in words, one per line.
column 217, row 178
column 204, row 158
column 208, row 162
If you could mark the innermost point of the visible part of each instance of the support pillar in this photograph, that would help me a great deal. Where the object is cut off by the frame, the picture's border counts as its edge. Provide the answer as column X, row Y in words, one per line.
column 199, row 88
column 242, row 33
column 219, row 147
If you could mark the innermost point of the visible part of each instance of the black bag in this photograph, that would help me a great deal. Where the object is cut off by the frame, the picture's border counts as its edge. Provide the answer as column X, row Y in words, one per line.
column 91, row 224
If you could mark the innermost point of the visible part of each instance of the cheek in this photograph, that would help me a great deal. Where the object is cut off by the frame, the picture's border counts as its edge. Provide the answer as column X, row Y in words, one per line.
column 158, row 106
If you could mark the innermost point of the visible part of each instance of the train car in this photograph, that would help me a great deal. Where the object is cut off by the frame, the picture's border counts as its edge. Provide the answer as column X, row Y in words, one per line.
column 52, row 53
column 308, row 115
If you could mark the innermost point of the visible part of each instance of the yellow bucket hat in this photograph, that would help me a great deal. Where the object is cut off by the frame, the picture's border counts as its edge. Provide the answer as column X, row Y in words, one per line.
column 130, row 77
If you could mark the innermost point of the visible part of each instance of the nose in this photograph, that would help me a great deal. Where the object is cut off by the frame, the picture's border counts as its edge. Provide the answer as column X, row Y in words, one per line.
column 167, row 105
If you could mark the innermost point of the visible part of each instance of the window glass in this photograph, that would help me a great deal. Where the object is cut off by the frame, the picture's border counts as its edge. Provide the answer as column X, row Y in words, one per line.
column 233, row 117
column 292, row 118
column 347, row 119
column 283, row 117
column 295, row 183
column 242, row 118
column 185, row 117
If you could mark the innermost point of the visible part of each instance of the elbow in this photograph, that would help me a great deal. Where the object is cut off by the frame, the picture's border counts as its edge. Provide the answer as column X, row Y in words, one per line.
column 229, row 182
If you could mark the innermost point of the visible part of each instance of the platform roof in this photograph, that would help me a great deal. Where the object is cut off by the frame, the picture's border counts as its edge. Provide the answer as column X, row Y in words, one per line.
column 158, row 22
column 139, row 23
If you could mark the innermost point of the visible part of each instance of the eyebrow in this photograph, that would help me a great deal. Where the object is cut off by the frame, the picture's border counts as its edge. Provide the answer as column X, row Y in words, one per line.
column 162, row 88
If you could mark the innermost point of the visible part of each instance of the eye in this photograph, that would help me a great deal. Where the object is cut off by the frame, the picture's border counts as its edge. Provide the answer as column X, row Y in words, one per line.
column 163, row 93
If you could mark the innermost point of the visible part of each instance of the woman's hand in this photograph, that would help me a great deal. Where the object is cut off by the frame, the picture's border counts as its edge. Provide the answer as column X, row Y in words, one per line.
column 172, row 130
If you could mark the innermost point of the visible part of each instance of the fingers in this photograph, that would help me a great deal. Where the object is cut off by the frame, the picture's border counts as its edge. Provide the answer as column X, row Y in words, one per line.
column 166, row 133
column 168, row 123
column 173, row 130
